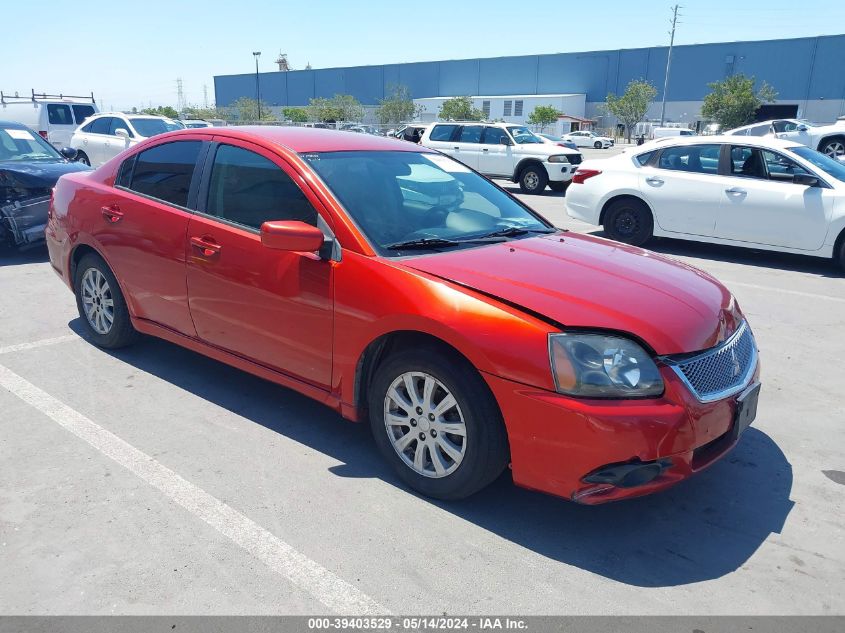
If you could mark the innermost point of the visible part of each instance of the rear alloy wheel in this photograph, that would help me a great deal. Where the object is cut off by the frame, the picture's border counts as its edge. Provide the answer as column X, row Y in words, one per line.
column 834, row 147
column 533, row 179
column 82, row 157
column 435, row 420
column 597, row 145
column 101, row 304
column 629, row 221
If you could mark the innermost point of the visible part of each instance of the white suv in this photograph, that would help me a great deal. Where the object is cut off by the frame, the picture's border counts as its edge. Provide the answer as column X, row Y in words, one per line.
column 829, row 139
column 505, row 150
column 107, row 134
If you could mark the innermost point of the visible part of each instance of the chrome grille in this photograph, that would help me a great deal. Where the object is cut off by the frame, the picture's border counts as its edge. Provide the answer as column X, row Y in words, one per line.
column 721, row 371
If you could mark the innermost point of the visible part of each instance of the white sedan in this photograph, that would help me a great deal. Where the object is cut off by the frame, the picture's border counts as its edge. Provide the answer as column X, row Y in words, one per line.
column 104, row 135
column 759, row 192
column 586, row 138
column 829, row 139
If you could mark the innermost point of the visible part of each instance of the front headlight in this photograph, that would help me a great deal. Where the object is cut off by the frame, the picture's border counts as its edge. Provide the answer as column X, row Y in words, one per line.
column 559, row 158
column 602, row 366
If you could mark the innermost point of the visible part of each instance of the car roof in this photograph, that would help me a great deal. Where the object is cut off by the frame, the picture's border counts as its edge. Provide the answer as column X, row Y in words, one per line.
column 305, row 139
column 13, row 125
column 753, row 141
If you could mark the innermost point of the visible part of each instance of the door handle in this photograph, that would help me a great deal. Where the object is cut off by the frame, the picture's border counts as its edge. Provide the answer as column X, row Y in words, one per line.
column 736, row 191
column 484, row 149
column 112, row 213
column 654, row 180
column 456, row 147
column 206, row 245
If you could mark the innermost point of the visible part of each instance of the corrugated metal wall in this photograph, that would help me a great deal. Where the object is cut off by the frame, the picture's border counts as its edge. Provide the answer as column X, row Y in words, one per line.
column 799, row 69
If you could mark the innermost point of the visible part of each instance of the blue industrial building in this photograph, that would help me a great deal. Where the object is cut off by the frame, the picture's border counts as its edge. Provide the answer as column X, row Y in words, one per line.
column 806, row 72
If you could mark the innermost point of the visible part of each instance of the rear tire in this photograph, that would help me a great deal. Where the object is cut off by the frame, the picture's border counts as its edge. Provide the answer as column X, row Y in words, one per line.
column 101, row 305
column 533, row 179
column 411, row 432
column 629, row 221
column 82, row 157
column 833, row 147
column 559, row 187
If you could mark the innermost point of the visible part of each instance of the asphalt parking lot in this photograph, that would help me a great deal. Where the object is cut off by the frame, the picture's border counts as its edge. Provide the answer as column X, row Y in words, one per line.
column 152, row 480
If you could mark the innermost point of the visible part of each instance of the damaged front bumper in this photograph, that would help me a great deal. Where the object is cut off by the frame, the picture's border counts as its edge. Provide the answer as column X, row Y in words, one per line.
column 24, row 221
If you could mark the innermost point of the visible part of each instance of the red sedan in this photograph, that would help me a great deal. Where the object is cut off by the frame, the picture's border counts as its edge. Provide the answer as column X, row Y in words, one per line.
column 399, row 287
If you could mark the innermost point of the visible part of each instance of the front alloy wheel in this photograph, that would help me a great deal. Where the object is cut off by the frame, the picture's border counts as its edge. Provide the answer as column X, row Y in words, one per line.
column 425, row 425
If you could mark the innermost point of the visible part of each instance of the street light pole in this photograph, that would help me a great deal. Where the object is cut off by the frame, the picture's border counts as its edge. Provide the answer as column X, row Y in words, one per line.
column 257, row 54
column 669, row 63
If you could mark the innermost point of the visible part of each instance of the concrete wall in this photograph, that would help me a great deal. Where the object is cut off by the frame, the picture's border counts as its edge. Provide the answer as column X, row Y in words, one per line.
column 806, row 71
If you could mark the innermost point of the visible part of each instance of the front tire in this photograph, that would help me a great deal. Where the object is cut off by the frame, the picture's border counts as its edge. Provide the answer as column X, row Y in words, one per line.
column 597, row 145
column 82, row 157
column 629, row 221
column 833, row 147
column 437, row 423
column 533, row 179
column 101, row 305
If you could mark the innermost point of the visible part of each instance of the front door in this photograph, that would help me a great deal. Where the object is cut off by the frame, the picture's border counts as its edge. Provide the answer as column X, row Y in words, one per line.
column 761, row 204
column 496, row 159
column 684, row 187
column 273, row 307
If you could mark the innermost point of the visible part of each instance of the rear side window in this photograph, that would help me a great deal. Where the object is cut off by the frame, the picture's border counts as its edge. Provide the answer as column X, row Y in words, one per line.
column 165, row 171
column 248, row 189
column 442, row 132
column 99, row 126
column 642, row 159
column 759, row 130
column 701, row 159
column 470, row 134
column 124, row 176
column 82, row 112
column 59, row 114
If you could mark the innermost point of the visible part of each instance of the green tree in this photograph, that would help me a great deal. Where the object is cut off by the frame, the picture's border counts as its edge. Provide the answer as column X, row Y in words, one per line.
column 247, row 110
column 733, row 102
column 631, row 107
column 543, row 116
column 338, row 108
column 195, row 112
column 167, row 111
column 398, row 106
column 297, row 115
column 460, row 109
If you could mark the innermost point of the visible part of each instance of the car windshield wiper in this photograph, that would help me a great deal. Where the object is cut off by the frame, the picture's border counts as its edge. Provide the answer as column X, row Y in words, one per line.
column 513, row 231
column 422, row 243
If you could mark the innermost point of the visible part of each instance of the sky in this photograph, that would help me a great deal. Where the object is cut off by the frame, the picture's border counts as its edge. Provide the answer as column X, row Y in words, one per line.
column 131, row 53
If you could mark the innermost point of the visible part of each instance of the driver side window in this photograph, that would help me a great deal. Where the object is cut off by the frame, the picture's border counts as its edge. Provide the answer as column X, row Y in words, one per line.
column 248, row 189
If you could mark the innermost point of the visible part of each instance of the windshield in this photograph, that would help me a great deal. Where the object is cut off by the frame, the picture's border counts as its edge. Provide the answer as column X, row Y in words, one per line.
column 523, row 135
column 151, row 127
column 824, row 162
column 24, row 145
column 429, row 199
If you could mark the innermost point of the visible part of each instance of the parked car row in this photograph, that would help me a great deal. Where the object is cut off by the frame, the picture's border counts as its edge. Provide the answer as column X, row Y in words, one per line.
column 105, row 135
column 476, row 335
column 753, row 191
column 829, row 139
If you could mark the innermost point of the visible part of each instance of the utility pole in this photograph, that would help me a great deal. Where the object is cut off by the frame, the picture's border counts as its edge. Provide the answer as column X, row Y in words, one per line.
column 669, row 63
column 257, row 54
column 180, row 96
column 205, row 96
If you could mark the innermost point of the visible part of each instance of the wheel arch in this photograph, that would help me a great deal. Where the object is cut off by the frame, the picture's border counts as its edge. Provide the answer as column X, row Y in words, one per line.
column 525, row 162
column 624, row 196
column 828, row 137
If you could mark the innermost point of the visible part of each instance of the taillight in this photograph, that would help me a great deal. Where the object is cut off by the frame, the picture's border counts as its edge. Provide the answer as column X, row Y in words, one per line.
column 43, row 134
column 583, row 174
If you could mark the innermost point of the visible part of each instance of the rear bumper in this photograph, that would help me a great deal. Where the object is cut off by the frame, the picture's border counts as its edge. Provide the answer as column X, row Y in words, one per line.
column 563, row 446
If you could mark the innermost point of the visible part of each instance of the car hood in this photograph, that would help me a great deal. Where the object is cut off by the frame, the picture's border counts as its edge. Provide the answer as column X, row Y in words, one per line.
column 37, row 174
column 581, row 281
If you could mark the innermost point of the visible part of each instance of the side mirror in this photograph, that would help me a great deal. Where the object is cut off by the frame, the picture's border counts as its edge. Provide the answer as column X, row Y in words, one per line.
column 122, row 133
column 291, row 236
column 805, row 179
column 505, row 141
column 69, row 153
column 801, row 128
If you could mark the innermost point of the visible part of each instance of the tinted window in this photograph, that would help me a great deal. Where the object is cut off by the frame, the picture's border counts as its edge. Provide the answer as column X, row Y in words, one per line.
column 824, row 162
column 248, row 189
column 165, row 171
column 124, row 176
column 82, row 112
column 118, row 123
column 151, row 127
column 702, row 159
column 470, row 134
column 739, row 133
column 642, row 159
column 101, row 125
column 747, row 162
column 759, row 130
column 493, row 135
column 442, row 132
column 780, row 167
column 59, row 114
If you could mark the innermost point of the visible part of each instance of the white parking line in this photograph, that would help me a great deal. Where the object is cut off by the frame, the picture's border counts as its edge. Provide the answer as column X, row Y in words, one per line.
column 333, row 592
column 44, row 342
column 774, row 290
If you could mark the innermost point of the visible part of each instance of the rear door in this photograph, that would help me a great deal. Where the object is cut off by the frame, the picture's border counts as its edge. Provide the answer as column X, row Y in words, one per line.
column 273, row 307
column 441, row 137
column 762, row 205
column 141, row 227
column 683, row 186
column 467, row 146
column 60, row 124
column 95, row 139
